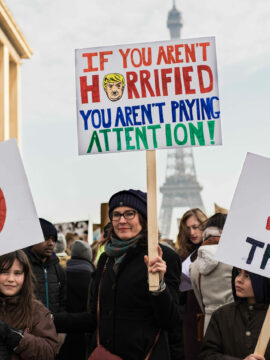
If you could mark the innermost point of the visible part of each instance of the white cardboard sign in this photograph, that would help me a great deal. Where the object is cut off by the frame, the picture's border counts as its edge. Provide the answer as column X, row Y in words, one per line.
column 245, row 240
column 147, row 96
column 19, row 224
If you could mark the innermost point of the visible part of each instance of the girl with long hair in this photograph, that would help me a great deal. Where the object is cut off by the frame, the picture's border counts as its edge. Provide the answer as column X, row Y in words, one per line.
column 26, row 327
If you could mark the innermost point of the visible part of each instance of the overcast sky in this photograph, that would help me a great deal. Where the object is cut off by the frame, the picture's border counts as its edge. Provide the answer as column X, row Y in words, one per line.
column 68, row 187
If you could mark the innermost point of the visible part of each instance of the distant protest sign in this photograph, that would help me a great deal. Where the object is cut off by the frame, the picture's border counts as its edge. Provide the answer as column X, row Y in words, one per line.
column 19, row 224
column 147, row 96
column 245, row 240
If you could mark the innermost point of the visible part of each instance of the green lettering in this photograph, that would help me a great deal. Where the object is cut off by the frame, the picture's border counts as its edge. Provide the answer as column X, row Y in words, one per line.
column 118, row 137
column 154, row 134
column 185, row 137
column 168, row 134
column 140, row 134
column 198, row 132
column 129, row 138
column 106, row 140
column 94, row 139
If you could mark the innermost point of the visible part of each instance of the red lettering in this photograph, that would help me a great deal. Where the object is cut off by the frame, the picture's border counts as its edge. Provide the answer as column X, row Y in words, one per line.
column 204, row 50
column 170, row 50
column 177, row 82
column 132, row 59
column 131, row 87
column 190, row 53
column 187, row 79
column 165, row 80
column 206, row 68
column 124, row 56
column 157, row 88
column 149, row 60
column 178, row 53
column 85, row 88
column 144, row 78
column 161, row 56
column 102, row 58
column 89, row 57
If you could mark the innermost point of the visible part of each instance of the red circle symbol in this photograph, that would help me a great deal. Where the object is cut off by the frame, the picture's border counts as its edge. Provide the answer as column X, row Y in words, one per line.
column 3, row 210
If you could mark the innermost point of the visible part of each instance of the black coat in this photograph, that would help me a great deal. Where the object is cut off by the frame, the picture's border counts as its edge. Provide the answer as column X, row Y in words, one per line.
column 233, row 332
column 79, row 274
column 130, row 315
column 51, row 281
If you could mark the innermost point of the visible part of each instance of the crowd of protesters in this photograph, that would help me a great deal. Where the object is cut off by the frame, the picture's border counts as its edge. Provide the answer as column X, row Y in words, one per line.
column 64, row 299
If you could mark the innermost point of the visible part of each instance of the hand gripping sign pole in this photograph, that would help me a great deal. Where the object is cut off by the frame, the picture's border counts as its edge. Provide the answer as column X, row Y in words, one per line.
column 152, row 215
column 264, row 335
column 129, row 100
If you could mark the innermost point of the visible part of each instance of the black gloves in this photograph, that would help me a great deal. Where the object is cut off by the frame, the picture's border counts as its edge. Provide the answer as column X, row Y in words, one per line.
column 10, row 336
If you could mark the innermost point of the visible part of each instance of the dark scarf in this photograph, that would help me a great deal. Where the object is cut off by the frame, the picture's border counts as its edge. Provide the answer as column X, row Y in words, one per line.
column 118, row 249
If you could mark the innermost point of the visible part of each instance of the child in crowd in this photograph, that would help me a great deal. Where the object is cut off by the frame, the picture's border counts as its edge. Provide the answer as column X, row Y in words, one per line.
column 234, row 328
column 26, row 327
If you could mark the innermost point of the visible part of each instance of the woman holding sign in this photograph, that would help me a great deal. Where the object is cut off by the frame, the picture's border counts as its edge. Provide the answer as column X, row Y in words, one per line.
column 129, row 320
column 26, row 327
column 234, row 328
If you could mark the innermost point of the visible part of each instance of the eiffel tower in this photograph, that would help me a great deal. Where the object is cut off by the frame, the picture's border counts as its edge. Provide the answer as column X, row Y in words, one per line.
column 181, row 188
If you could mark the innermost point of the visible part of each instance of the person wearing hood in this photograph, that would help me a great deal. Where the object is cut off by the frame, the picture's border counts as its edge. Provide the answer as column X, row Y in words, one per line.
column 128, row 320
column 234, row 329
column 211, row 280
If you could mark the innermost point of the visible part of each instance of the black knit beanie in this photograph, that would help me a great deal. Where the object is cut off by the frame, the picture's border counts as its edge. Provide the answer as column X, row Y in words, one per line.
column 48, row 228
column 135, row 199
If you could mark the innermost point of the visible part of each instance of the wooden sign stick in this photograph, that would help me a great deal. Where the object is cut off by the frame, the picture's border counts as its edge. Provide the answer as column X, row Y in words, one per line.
column 264, row 335
column 152, row 223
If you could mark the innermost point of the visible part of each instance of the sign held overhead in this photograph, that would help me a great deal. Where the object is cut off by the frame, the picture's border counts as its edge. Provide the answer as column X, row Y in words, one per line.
column 147, row 96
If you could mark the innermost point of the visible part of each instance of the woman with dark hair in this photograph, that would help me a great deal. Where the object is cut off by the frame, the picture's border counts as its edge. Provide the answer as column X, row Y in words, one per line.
column 211, row 279
column 189, row 239
column 26, row 327
column 234, row 328
column 129, row 320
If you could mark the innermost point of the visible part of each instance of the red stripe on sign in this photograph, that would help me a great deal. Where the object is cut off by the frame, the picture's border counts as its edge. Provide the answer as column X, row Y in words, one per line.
column 3, row 210
column 268, row 223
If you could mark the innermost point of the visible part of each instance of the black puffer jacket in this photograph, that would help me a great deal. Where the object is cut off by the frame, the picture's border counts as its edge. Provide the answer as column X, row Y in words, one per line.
column 51, row 281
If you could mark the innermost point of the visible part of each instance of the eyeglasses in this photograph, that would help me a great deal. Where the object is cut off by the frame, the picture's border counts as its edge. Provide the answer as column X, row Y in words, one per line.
column 128, row 215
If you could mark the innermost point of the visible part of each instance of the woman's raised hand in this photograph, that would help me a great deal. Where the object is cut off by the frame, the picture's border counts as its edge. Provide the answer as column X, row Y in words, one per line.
column 157, row 265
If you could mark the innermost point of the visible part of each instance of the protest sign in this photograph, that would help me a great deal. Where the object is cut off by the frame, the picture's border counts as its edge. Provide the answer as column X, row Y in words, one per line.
column 147, row 96
column 19, row 224
column 245, row 240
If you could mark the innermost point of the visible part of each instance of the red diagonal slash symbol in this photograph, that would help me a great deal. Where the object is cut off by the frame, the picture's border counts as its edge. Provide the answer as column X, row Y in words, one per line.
column 3, row 210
